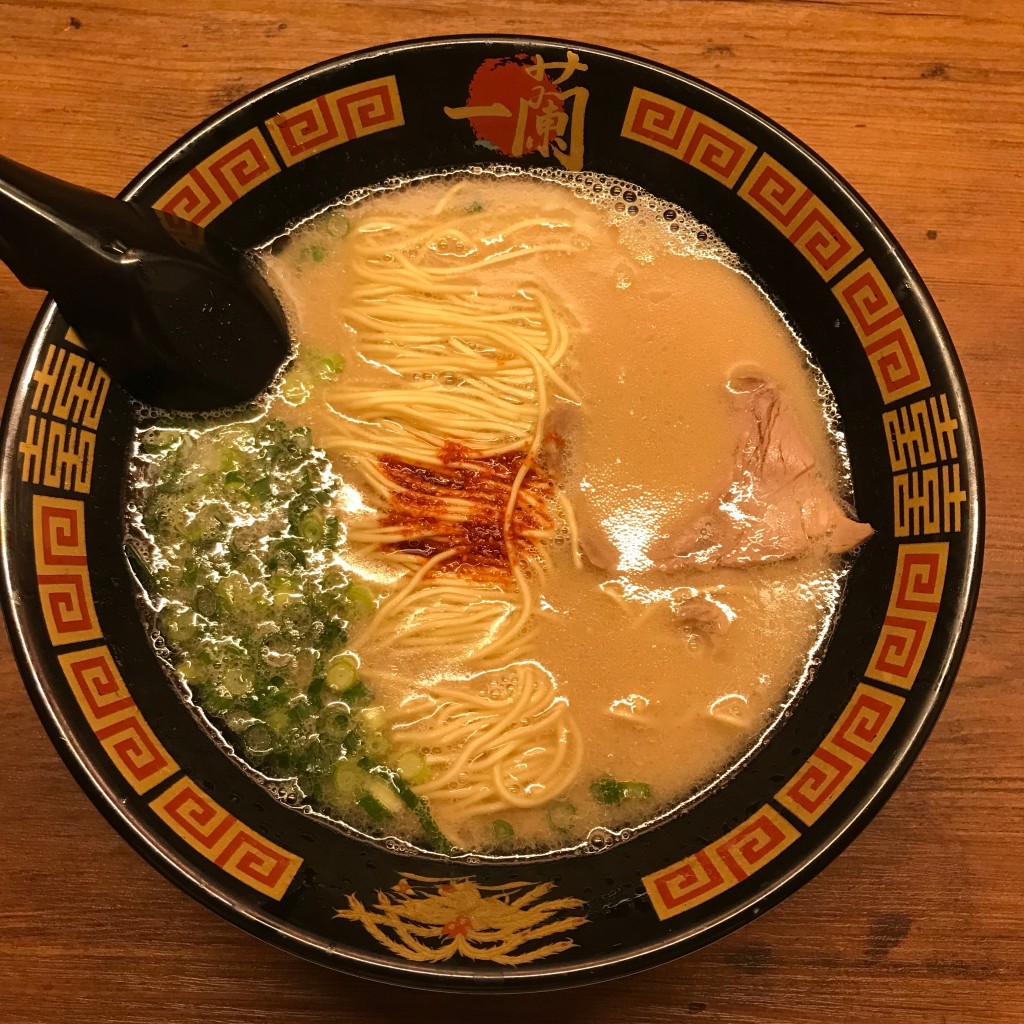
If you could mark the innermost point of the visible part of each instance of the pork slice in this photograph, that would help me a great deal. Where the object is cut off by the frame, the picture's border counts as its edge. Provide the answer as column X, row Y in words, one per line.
column 776, row 506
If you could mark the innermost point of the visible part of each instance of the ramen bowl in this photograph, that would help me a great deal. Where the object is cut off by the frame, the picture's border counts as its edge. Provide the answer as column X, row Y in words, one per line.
column 380, row 910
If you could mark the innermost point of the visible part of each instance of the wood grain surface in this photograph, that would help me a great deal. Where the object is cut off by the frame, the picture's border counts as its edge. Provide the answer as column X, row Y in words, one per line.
column 920, row 104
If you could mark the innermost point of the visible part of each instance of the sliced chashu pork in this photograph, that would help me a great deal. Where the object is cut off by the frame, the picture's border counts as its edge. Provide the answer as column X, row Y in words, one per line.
column 776, row 505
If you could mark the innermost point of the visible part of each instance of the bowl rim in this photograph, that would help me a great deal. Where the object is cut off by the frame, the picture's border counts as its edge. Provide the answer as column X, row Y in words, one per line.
column 828, row 842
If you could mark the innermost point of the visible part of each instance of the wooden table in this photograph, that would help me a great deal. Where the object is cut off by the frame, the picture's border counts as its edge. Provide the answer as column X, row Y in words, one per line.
column 921, row 920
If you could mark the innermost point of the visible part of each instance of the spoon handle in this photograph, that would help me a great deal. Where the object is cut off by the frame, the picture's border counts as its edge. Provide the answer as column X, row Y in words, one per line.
column 177, row 328
column 65, row 239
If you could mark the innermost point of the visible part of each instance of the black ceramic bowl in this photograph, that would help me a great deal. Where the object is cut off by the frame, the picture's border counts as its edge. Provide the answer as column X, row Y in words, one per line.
column 848, row 290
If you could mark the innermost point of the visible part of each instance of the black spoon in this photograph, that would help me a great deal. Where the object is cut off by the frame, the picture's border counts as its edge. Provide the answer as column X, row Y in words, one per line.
column 178, row 320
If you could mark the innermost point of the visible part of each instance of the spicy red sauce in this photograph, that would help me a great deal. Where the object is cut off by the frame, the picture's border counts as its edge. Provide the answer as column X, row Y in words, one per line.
column 461, row 505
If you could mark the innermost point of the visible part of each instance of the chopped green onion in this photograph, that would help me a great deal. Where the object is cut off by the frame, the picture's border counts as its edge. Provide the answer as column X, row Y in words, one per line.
column 240, row 519
column 330, row 366
column 376, row 744
column 360, row 601
column 392, row 779
column 260, row 490
column 636, row 791
column 238, row 594
column 346, row 780
column 259, row 739
column 284, row 589
column 372, row 719
column 501, row 831
column 374, row 808
column 385, row 794
column 286, row 553
column 206, row 602
column 341, row 674
column 409, row 797
column 355, row 694
column 608, row 790
column 561, row 815
column 235, row 682
column 217, row 700
column 330, row 535
column 311, row 527
column 437, row 839
column 333, row 635
column 334, row 725
column 413, row 767
column 338, row 225
column 189, row 670
column 229, row 460
column 277, row 719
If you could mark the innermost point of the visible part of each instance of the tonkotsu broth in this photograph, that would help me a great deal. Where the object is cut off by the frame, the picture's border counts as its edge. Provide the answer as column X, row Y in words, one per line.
column 658, row 319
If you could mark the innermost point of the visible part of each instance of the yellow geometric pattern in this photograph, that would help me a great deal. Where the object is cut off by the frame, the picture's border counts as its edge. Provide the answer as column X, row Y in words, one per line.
column 221, row 179
column 336, row 117
column 62, row 572
column 786, row 203
column 115, row 718
column 720, row 865
column 58, row 447
column 229, row 843
column 883, row 330
column 912, row 613
column 857, row 734
column 687, row 135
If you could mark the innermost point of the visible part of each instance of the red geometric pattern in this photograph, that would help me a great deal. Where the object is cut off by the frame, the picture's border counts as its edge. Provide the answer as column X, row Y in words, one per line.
column 220, row 837
column 133, row 747
column 97, row 685
column 59, row 533
column 336, row 117
column 865, row 721
column 913, row 606
column 62, row 575
column 221, row 179
column 688, row 135
column 883, row 331
column 783, row 200
column 910, row 618
column 845, row 750
column 721, row 865
column 115, row 718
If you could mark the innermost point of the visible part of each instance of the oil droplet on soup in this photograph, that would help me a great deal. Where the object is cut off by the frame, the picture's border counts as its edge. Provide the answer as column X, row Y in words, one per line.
column 584, row 490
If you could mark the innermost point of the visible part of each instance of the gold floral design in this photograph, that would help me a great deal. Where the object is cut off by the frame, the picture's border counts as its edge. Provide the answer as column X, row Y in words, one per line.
column 434, row 919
